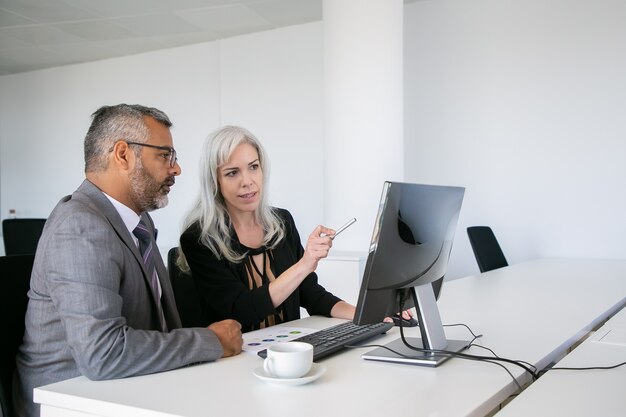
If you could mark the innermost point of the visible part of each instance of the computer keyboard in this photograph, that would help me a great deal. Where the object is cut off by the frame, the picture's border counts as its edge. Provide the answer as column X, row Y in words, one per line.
column 335, row 338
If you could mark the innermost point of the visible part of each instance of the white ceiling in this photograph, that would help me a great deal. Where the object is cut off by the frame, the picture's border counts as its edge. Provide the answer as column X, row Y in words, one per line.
column 38, row 34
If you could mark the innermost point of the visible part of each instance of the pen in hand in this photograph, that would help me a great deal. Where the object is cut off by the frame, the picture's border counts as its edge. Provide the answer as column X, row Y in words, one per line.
column 344, row 227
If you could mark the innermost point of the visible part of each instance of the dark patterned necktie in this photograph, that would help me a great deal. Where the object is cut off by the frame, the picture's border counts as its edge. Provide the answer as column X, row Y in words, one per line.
column 147, row 246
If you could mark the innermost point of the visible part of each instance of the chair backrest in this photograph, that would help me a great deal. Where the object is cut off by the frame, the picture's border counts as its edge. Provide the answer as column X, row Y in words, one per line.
column 189, row 303
column 15, row 273
column 486, row 248
column 21, row 235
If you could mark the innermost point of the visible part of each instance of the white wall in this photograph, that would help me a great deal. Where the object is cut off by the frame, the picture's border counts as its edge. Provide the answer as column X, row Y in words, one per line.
column 272, row 85
column 269, row 82
column 523, row 103
column 45, row 114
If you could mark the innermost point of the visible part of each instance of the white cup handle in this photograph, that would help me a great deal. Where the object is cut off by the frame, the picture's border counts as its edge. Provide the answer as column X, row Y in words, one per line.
column 267, row 366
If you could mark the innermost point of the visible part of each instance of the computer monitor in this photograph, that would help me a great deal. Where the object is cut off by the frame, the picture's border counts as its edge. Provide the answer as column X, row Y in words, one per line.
column 407, row 260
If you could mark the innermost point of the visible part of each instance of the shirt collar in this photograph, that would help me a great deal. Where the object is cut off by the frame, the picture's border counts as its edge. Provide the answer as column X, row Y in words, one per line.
column 129, row 217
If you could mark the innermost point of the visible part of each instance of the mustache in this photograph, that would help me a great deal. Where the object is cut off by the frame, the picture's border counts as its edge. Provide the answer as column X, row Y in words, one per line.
column 169, row 181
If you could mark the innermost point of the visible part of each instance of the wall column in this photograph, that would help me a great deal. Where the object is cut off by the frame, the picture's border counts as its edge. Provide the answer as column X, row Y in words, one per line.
column 363, row 79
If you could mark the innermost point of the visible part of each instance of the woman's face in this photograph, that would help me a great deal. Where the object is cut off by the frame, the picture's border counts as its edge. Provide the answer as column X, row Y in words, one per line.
column 241, row 180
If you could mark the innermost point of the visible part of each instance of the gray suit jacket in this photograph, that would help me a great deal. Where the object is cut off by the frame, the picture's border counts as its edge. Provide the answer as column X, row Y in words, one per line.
column 91, row 311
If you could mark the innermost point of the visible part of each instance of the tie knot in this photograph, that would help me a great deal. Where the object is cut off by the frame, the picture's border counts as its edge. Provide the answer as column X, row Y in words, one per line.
column 142, row 233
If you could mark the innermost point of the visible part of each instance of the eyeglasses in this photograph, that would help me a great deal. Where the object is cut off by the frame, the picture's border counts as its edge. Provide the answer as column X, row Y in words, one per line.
column 171, row 152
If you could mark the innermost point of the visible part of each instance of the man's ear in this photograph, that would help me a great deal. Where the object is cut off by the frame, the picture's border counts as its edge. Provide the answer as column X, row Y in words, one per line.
column 123, row 156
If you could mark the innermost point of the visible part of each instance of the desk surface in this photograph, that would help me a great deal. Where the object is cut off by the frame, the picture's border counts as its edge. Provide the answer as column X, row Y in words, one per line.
column 532, row 311
column 581, row 393
column 618, row 321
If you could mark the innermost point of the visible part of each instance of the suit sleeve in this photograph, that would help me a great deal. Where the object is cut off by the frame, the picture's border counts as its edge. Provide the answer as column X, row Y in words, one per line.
column 85, row 265
column 221, row 284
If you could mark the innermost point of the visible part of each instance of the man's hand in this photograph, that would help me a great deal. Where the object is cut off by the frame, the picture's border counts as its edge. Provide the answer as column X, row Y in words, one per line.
column 229, row 334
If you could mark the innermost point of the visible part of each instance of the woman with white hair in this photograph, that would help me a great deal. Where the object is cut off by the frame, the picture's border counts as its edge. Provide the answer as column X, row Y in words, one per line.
column 246, row 257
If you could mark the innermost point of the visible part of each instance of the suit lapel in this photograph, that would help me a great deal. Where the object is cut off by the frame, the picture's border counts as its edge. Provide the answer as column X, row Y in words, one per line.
column 103, row 204
column 97, row 197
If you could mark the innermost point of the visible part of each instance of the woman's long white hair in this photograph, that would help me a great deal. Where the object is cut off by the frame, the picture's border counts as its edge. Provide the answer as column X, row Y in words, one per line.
column 210, row 208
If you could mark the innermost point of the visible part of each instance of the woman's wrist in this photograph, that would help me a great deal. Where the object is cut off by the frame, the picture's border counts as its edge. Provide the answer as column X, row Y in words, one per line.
column 302, row 269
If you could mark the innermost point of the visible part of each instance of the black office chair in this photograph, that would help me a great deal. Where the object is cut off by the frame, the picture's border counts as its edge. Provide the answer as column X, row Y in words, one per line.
column 15, row 273
column 189, row 303
column 486, row 248
column 21, row 235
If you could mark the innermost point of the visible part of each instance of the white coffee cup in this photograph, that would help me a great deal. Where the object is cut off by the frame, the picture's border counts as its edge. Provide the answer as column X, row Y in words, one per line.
column 289, row 359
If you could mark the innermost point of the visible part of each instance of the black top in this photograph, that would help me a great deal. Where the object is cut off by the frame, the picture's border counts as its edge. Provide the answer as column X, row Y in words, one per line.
column 223, row 285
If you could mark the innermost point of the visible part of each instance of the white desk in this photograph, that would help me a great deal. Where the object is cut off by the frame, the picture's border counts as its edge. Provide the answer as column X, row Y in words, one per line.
column 618, row 321
column 580, row 393
column 532, row 311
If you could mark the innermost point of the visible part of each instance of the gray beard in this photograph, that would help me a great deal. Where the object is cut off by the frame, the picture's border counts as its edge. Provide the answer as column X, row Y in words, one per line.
column 145, row 191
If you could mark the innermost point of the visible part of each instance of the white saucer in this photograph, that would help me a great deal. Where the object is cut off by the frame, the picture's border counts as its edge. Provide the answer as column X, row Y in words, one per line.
column 315, row 372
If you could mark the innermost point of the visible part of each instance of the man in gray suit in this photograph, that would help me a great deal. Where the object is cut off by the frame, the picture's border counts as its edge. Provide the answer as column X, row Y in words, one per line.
column 100, row 304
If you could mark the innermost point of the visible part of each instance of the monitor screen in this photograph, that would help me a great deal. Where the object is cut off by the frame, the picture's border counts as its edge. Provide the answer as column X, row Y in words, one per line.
column 408, row 256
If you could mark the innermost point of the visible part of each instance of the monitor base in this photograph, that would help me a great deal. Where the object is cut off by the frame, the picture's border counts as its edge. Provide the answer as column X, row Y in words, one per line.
column 413, row 357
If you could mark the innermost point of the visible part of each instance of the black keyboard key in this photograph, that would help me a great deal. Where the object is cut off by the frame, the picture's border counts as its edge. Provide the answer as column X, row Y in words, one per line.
column 335, row 338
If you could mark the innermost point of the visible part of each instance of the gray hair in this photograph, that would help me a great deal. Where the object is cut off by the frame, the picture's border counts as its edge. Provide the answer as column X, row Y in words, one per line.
column 210, row 208
column 113, row 123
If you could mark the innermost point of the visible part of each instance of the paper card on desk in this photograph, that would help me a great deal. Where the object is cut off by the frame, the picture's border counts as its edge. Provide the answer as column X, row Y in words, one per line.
column 258, row 340
column 612, row 337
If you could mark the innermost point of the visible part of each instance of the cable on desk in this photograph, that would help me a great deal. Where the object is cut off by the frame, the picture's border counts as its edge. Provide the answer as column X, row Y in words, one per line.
column 494, row 354
column 463, row 325
column 451, row 354
column 519, row 387
column 587, row 368
column 471, row 343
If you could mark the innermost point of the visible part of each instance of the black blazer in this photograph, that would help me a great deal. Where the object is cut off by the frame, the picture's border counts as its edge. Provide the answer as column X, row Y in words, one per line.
column 223, row 285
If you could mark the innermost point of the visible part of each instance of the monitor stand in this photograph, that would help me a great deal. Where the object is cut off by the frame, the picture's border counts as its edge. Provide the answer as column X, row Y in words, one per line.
column 411, row 356
column 431, row 329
